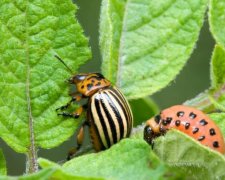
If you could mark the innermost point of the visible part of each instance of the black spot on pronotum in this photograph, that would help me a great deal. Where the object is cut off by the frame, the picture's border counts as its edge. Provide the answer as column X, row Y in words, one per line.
column 82, row 87
column 195, row 130
column 92, row 80
column 157, row 118
column 215, row 144
column 89, row 86
column 201, row 138
column 212, row 132
column 192, row 115
column 203, row 122
column 177, row 122
column 187, row 125
column 98, row 84
column 180, row 114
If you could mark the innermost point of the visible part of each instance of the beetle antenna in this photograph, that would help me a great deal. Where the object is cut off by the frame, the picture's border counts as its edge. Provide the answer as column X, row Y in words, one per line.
column 57, row 57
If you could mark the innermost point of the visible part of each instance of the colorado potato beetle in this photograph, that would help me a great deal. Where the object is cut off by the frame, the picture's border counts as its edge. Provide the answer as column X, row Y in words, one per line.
column 108, row 114
column 189, row 120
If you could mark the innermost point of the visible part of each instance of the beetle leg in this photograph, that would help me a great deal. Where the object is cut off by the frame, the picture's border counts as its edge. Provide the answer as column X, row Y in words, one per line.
column 74, row 98
column 152, row 144
column 80, row 138
column 76, row 151
column 76, row 114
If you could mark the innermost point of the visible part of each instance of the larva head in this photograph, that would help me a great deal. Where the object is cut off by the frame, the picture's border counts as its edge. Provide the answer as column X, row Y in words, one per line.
column 88, row 84
column 152, row 129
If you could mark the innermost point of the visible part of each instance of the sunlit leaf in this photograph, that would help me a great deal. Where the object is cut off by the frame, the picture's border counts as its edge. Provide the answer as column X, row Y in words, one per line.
column 217, row 20
column 145, row 44
column 31, row 78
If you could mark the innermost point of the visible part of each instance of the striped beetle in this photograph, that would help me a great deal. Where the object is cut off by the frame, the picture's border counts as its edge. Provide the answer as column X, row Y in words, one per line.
column 109, row 117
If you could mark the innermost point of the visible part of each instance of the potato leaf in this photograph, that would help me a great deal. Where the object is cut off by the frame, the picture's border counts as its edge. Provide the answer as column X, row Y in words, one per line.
column 31, row 78
column 145, row 44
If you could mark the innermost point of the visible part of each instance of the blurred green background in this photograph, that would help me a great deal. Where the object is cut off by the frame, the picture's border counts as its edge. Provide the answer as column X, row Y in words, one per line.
column 193, row 79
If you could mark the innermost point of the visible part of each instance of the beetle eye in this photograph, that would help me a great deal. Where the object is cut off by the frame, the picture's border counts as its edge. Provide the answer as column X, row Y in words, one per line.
column 80, row 77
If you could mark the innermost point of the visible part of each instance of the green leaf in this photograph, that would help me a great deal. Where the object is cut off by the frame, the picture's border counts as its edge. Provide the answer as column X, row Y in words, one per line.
column 143, row 109
column 45, row 163
column 59, row 173
column 197, row 161
column 3, row 169
column 218, row 67
column 42, row 174
column 213, row 98
column 145, row 44
column 217, row 20
column 129, row 159
column 32, row 79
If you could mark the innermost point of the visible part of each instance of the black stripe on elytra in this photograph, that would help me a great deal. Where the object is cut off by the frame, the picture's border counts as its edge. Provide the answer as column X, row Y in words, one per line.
column 117, row 113
column 95, row 127
column 109, row 118
column 118, row 99
column 130, row 120
column 97, row 106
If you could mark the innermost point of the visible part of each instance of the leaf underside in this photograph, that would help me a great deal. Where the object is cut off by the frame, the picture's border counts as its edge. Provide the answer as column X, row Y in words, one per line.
column 197, row 161
column 129, row 159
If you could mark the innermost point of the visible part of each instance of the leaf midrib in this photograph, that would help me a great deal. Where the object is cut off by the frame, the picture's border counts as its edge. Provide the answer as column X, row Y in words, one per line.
column 120, row 63
column 32, row 165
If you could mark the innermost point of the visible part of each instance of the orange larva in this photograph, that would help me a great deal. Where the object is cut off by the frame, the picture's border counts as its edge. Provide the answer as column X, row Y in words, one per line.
column 190, row 121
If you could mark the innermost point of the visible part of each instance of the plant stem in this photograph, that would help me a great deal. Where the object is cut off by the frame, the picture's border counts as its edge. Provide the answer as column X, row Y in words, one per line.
column 31, row 164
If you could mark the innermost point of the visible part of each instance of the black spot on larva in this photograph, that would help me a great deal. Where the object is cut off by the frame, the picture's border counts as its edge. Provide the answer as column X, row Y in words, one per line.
column 89, row 86
column 192, row 115
column 180, row 114
column 177, row 122
column 215, row 144
column 157, row 118
column 212, row 132
column 187, row 125
column 203, row 122
column 201, row 138
column 168, row 120
column 98, row 84
column 164, row 122
column 195, row 130
column 82, row 87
